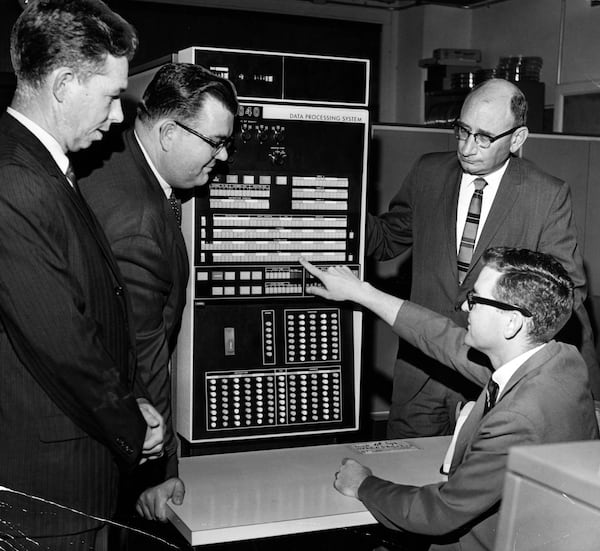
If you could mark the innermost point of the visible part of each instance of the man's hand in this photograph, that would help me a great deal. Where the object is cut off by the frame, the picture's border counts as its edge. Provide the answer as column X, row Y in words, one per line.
column 350, row 476
column 339, row 282
column 155, row 431
column 152, row 503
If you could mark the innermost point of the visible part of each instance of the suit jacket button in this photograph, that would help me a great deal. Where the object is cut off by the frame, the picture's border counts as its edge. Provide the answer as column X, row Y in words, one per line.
column 118, row 290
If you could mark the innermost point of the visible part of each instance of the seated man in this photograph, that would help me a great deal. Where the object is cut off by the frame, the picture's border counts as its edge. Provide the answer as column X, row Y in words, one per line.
column 519, row 302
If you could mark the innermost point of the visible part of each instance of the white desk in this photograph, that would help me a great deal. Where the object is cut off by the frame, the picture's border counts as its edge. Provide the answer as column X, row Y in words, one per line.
column 239, row 496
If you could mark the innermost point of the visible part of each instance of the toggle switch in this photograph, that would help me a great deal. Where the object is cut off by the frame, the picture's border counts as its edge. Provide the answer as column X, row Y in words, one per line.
column 229, row 334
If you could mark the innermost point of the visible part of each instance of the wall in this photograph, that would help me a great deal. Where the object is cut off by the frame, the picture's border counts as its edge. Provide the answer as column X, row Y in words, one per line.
column 581, row 59
column 534, row 30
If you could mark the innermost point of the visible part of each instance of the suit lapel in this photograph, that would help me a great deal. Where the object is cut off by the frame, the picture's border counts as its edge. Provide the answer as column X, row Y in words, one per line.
column 159, row 195
column 56, row 177
column 92, row 223
column 450, row 208
column 540, row 358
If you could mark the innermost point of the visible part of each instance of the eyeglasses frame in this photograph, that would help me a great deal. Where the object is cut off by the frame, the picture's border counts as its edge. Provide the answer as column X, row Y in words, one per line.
column 473, row 299
column 217, row 146
column 476, row 135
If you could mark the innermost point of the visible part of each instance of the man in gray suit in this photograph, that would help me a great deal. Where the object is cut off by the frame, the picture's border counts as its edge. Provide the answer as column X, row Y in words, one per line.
column 538, row 392
column 447, row 223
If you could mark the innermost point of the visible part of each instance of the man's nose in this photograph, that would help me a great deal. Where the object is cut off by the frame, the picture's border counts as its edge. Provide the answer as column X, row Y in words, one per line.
column 468, row 146
column 223, row 155
column 116, row 111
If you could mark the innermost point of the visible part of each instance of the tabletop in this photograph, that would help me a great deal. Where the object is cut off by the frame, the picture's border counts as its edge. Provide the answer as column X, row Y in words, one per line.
column 246, row 495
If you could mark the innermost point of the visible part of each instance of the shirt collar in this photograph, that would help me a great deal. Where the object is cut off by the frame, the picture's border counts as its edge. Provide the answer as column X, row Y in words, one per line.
column 503, row 374
column 48, row 141
column 163, row 183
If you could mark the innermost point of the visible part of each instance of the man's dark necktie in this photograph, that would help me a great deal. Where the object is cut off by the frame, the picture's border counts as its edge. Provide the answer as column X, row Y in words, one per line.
column 176, row 206
column 467, row 242
column 491, row 394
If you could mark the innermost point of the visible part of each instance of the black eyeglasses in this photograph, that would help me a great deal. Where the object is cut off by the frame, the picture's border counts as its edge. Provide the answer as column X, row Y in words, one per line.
column 473, row 299
column 482, row 140
column 216, row 145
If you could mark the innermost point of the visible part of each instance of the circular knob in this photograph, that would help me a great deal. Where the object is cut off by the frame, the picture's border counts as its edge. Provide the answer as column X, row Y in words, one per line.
column 278, row 157
column 278, row 135
column 263, row 134
column 246, row 134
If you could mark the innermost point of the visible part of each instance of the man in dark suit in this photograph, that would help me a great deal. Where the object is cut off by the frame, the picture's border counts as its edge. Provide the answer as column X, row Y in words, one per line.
column 519, row 206
column 182, row 128
column 518, row 303
column 71, row 412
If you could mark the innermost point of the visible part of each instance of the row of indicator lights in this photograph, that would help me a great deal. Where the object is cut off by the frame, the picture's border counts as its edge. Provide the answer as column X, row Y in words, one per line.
column 217, row 275
column 269, row 338
column 249, row 275
column 303, row 381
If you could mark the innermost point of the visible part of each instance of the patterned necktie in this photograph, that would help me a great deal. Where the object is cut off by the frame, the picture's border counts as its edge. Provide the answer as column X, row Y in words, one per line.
column 467, row 242
column 176, row 206
column 70, row 174
column 491, row 394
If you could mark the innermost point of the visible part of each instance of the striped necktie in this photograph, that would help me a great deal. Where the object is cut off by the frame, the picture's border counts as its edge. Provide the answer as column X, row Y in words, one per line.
column 467, row 242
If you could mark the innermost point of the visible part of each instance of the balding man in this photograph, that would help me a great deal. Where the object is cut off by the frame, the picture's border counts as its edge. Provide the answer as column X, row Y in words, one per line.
column 449, row 209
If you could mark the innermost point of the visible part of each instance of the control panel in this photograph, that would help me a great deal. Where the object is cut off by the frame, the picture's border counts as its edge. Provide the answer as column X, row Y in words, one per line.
column 258, row 357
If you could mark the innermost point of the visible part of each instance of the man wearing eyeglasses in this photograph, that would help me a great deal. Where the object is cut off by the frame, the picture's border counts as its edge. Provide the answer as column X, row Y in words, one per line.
column 182, row 128
column 538, row 393
column 450, row 208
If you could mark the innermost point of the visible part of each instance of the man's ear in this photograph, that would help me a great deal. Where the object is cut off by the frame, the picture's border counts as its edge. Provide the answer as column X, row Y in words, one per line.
column 62, row 79
column 518, row 139
column 166, row 134
column 514, row 325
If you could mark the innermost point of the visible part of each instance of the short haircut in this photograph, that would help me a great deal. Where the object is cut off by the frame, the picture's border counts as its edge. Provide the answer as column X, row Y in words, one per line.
column 518, row 107
column 537, row 282
column 179, row 90
column 79, row 34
